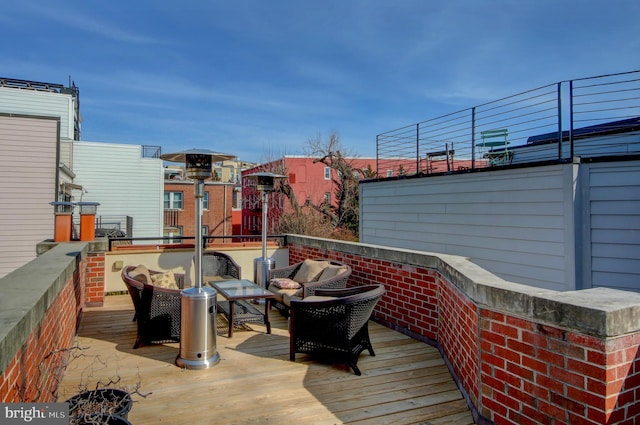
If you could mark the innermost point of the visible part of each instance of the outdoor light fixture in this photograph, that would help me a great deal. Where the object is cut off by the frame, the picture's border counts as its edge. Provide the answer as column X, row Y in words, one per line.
column 265, row 183
column 198, row 304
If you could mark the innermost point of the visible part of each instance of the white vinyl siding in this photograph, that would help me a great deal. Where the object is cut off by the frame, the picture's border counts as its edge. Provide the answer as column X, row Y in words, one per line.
column 41, row 103
column 515, row 223
column 612, row 258
column 124, row 183
column 28, row 174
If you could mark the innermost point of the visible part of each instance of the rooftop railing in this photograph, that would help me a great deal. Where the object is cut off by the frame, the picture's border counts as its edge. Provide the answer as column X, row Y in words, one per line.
column 599, row 112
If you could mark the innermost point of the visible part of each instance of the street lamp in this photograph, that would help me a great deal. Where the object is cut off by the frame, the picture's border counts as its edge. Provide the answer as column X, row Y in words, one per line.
column 198, row 304
column 265, row 183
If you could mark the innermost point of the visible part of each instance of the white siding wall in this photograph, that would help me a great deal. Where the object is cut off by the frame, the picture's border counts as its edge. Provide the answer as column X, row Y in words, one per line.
column 124, row 183
column 612, row 238
column 518, row 224
column 20, row 101
column 27, row 172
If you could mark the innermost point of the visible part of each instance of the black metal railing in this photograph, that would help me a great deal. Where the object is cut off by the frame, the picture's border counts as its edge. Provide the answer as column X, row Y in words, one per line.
column 169, row 241
column 519, row 129
column 149, row 151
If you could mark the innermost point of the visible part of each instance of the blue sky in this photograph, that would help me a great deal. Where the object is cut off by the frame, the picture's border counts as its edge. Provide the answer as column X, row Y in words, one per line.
column 259, row 78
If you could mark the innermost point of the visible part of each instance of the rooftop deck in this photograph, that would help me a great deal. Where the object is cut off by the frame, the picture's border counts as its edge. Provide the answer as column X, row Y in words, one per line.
column 406, row 382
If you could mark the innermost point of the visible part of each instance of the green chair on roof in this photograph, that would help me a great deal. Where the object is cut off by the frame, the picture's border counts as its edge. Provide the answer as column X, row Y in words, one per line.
column 497, row 143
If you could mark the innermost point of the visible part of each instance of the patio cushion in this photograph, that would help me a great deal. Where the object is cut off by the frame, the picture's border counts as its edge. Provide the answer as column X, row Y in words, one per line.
column 141, row 274
column 331, row 271
column 285, row 283
column 318, row 298
column 279, row 292
column 287, row 297
column 310, row 270
column 165, row 280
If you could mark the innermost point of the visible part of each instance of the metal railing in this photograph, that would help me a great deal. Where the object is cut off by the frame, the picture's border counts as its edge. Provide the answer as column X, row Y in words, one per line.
column 524, row 128
column 179, row 241
column 150, row 151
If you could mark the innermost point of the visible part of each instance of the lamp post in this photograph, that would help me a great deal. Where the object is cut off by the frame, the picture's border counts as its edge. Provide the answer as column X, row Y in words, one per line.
column 198, row 304
column 264, row 183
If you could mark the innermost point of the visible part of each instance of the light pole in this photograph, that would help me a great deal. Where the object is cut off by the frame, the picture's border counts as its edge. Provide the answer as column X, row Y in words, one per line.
column 264, row 183
column 197, row 304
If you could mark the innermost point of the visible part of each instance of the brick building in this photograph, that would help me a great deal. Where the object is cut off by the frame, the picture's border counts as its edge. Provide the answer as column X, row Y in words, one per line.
column 179, row 208
column 313, row 182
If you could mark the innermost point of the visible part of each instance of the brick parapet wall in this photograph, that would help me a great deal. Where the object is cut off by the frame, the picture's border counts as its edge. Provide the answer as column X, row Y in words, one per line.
column 32, row 370
column 512, row 367
column 95, row 276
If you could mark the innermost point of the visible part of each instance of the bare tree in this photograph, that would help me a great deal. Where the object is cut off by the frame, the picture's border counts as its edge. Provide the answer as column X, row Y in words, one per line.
column 324, row 219
column 344, row 216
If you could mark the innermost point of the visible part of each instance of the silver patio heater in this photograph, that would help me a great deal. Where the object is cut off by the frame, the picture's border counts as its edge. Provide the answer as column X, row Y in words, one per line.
column 264, row 183
column 198, row 304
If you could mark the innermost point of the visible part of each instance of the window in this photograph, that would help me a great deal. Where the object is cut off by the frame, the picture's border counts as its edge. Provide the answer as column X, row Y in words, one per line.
column 327, row 173
column 176, row 231
column 327, row 198
column 236, row 198
column 205, row 201
column 389, row 173
column 173, row 200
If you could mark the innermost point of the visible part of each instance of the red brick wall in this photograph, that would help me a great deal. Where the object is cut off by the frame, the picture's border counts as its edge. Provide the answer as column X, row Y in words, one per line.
column 35, row 371
column 534, row 372
column 458, row 335
column 94, row 279
column 513, row 370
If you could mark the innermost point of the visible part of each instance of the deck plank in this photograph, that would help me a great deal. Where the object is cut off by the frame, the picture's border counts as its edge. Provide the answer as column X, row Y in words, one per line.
column 406, row 382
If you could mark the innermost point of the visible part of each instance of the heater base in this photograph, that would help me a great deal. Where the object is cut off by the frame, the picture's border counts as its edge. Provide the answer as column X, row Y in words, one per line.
column 198, row 364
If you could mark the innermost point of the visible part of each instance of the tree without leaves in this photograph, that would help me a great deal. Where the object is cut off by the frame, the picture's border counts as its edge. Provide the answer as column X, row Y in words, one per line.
column 339, row 221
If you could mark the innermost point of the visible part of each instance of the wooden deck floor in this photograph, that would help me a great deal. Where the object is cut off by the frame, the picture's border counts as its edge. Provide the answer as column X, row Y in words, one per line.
column 405, row 383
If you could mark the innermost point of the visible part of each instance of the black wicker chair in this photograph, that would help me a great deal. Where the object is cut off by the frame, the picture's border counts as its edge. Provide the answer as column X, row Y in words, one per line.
column 157, row 310
column 334, row 328
column 219, row 264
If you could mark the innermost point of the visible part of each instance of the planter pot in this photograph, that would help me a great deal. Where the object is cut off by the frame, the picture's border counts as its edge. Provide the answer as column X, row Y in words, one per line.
column 106, row 403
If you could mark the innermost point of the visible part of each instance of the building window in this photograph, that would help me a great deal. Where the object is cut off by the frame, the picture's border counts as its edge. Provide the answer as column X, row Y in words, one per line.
column 173, row 200
column 236, row 196
column 389, row 173
column 327, row 173
column 205, row 201
column 174, row 232
column 327, row 198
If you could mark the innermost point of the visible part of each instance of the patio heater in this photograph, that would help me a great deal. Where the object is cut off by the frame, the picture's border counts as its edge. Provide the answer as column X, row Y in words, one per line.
column 264, row 183
column 198, row 304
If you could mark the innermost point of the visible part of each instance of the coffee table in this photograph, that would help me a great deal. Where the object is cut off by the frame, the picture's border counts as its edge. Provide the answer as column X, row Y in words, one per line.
column 237, row 307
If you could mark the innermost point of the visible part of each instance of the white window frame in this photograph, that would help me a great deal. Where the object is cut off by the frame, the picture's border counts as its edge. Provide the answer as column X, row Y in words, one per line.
column 172, row 200
column 205, row 201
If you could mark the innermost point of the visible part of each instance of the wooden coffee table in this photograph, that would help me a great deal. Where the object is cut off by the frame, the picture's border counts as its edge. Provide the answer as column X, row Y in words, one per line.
column 237, row 306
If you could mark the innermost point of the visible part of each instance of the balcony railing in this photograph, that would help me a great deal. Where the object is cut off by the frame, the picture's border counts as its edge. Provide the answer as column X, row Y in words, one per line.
column 603, row 108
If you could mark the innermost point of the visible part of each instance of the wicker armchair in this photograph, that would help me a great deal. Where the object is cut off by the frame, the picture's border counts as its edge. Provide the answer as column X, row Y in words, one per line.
column 218, row 265
column 157, row 309
column 284, row 296
column 334, row 323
